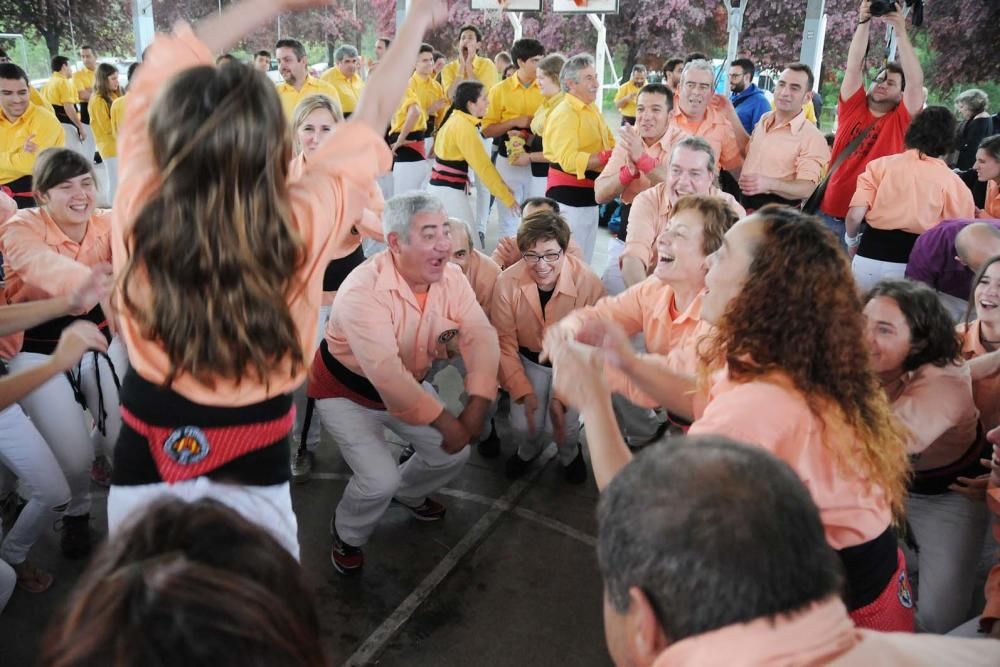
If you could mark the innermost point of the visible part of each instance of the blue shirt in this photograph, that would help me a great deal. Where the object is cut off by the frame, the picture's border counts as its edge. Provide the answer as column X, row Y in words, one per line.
column 750, row 105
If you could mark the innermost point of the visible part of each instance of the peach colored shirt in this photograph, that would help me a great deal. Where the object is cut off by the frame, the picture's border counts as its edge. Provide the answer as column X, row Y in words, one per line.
column 649, row 308
column 912, row 193
column 619, row 158
column 772, row 413
column 334, row 188
column 823, row 634
column 648, row 218
column 793, row 150
column 519, row 320
column 935, row 405
column 41, row 262
column 992, row 610
column 8, row 207
column 482, row 273
column 714, row 128
column 985, row 392
column 378, row 329
column 992, row 204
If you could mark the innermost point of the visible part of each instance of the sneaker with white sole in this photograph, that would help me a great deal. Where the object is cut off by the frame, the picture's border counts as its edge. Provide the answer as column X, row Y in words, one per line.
column 346, row 559
column 302, row 465
column 429, row 510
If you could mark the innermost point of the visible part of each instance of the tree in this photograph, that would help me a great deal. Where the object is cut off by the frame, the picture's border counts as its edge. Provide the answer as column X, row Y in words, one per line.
column 105, row 25
column 772, row 32
column 963, row 39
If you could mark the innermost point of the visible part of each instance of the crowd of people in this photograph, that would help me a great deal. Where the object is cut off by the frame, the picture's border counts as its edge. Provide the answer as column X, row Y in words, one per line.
column 787, row 378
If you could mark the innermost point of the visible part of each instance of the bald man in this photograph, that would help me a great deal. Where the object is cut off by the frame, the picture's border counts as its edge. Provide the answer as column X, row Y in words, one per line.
column 947, row 256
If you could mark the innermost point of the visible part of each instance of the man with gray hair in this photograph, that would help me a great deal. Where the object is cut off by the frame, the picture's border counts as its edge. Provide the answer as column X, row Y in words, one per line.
column 395, row 315
column 704, row 113
column 578, row 144
column 713, row 553
column 345, row 78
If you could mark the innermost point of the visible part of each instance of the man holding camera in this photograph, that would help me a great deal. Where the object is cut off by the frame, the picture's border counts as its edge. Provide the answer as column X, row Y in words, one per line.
column 871, row 124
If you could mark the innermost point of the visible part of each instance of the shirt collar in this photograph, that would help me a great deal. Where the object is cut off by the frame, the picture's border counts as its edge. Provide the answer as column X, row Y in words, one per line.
column 795, row 124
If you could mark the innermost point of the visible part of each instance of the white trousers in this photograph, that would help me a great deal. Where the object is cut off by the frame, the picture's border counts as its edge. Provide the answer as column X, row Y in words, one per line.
column 582, row 221
column 438, row 366
column 409, row 176
column 531, row 446
column 25, row 454
column 66, row 427
column 518, row 179
column 482, row 194
column 456, row 203
column 8, row 580
column 87, row 147
column 613, row 281
column 539, row 186
column 270, row 507
column 378, row 478
column 111, row 179
column 868, row 272
column 385, row 184
column 313, row 436
column 949, row 529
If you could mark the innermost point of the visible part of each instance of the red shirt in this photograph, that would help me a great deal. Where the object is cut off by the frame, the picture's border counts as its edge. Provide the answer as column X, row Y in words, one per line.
column 885, row 138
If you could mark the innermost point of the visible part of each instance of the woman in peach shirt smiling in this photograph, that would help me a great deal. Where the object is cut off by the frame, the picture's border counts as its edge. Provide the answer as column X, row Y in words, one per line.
column 915, row 351
column 798, row 391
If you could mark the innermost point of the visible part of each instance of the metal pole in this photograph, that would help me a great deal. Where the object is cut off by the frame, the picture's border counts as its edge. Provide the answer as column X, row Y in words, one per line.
column 597, row 20
column 892, row 39
column 813, row 38
column 142, row 25
column 515, row 22
column 735, row 9
column 400, row 13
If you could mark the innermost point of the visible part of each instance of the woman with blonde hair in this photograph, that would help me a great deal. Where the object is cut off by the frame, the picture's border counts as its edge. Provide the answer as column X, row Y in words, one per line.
column 220, row 256
column 106, row 91
column 548, row 81
column 796, row 386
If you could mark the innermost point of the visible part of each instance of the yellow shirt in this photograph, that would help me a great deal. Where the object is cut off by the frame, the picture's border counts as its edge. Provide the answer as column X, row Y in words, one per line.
column 483, row 68
column 36, row 98
column 101, row 124
column 510, row 98
column 459, row 140
column 15, row 162
column 573, row 132
column 429, row 90
column 58, row 90
column 625, row 91
column 410, row 99
column 348, row 89
column 118, row 115
column 83, row 78
column 542, row 113
column 290, row 97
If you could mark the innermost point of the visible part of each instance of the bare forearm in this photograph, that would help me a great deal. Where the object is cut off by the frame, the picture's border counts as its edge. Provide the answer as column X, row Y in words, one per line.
column 15, row 387
column 608, row 451
column 633, row 271
column 669, row 389
column 855, row 60
column 984, row 366
column 794, row 189
column 855, row 215
column 23, row 316
column 71, row 114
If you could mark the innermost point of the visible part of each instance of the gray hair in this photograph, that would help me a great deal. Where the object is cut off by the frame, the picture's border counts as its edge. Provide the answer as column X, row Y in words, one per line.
column 702, row 65
column 571, row 70
column 974, row 99
column 401, row 209
column 456, row 223
column 344, row 51
column 696, row 143
column 638, row 68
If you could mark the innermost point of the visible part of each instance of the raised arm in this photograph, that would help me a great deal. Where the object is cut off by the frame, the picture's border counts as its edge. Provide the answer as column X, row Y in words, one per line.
column 913, row 96
column 853, row 74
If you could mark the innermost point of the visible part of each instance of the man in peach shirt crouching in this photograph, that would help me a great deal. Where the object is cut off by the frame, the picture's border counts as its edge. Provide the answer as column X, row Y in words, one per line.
column 392, row 318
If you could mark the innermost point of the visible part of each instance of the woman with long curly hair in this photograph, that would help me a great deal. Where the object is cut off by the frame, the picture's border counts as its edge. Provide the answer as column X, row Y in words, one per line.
column 781, row 370
column 916, row 353
column 220, row 256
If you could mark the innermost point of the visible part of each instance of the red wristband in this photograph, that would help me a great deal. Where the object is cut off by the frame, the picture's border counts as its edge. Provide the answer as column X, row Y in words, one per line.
column 646, row 163
column 604, row 156
column 625, row 175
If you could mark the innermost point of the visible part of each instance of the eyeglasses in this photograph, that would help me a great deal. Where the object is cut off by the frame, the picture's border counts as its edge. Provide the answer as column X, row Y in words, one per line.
column 549, row 257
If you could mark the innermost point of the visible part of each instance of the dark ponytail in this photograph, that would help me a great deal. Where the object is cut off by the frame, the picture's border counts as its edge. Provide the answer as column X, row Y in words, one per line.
column 466, row 93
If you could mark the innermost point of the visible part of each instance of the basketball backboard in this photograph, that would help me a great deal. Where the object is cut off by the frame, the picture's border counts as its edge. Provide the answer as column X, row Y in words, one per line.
column 585, row 6
column 509, row 6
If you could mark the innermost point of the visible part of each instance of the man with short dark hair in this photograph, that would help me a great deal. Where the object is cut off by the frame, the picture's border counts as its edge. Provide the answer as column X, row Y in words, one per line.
column 83, row 81
column 628, row 93
column 293, row 65
column 672, row 73
column 58, row 91
column 713, row 553
column 26, row 129
column 749, row 100
column 883, row 113
column 787, row 153
column 345, row 78
column 262, row 61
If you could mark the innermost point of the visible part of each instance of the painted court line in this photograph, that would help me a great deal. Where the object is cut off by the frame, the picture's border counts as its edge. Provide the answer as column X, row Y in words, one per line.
column 375, row 642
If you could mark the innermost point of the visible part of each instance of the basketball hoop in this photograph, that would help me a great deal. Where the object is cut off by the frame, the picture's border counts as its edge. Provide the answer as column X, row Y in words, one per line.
column 493, row 14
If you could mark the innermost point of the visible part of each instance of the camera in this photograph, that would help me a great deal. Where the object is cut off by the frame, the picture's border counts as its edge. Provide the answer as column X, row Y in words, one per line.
column 883, row 7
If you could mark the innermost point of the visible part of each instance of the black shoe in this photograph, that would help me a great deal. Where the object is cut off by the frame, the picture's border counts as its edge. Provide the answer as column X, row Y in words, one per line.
column 516, row 466
column 75, row 541
column 576, row 471
column 490, row 447
column 429, row 510
column 406, row 454
column 345, row 558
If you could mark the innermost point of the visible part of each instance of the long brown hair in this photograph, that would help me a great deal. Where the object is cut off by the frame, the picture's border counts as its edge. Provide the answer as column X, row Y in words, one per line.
column 185, row 584
column 217, row 243
column 102, row 86
column 799, row 313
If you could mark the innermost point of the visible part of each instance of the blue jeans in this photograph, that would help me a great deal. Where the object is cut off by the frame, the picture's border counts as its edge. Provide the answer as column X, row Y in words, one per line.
column 835, row 225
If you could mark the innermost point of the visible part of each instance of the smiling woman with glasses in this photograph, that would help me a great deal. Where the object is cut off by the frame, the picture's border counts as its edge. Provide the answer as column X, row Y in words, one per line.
column 530, row 296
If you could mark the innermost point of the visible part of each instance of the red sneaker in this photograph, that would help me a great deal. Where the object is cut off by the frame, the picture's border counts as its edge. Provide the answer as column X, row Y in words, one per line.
column 345, row 558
